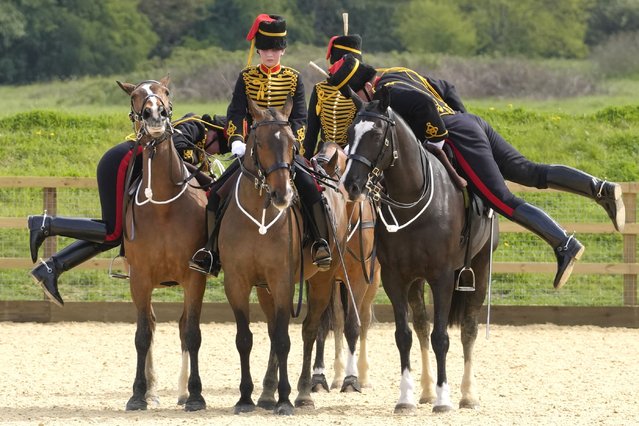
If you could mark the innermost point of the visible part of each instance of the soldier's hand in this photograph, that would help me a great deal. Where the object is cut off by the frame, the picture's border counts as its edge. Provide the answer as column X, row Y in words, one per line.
column 238, row 148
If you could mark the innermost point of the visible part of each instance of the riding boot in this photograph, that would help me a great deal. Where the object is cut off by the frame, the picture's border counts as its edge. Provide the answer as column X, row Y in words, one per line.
column 606, row 194
column 41, row 227
column 206, row 260
column 566, row 247
column 46, row 274
column 320, row 250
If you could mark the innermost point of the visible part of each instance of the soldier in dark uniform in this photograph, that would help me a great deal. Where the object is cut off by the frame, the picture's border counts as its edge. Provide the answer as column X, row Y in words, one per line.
column 96, row 236
column 268, row 84
column 484, row 158
column 329, row 112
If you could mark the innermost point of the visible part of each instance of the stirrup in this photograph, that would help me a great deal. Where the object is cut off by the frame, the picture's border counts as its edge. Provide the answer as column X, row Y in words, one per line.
column 323, row 263
column 119, row 275
column 196, row 264
column 471, row 287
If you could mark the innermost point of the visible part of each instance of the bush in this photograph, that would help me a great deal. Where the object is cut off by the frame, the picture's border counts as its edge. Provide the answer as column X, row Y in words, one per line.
column 618, row 56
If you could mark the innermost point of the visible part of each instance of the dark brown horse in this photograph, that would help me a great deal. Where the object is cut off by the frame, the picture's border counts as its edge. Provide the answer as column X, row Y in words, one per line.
column 164, row 224
column 420, row 236
column 260, row 246
column 351, row 310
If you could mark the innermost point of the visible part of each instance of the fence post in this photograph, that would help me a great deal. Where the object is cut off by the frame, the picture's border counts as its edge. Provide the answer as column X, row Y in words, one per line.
column 50, row 202
column 630, row 250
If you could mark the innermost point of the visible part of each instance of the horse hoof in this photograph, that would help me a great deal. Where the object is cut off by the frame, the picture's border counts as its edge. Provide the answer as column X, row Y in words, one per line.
column 471, row 404
column 196, row 403
column 267, row 404
column 136, row 404
column 404, row 408
column 318, row 383
column 442, row 408
column 351, row 384
column 304, row 403
column 182, row 399
column 243, row 407
column 337, row 383
column 153, row 401
column 284, row 409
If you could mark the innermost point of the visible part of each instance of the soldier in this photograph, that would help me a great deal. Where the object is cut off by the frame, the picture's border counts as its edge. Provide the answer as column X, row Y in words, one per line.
column 268, row 84
column 193, row 134
column 484, row 157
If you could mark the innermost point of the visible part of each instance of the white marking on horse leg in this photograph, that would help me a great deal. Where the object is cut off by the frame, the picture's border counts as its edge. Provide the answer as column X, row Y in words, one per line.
column 468, row 383
column 183, row 378
column 443, row 396
column 406, row 389
column 427, row 381
column 318, row 370
column 351, row 364
column 151, row 395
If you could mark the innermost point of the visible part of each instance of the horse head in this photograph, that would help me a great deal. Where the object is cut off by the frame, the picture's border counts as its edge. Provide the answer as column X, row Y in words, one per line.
column 371, row 146
column 150, row 108
column 271, row 146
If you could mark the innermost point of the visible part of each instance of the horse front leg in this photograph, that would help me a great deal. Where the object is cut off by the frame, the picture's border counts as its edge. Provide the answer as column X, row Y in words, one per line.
column 338, row 337
column 351, row 332
column 281, row 345
column 191, row 339
column 237, row 294
column 318, row 380
column 365, row 315
column 269, row 384
column 319, row 296
column 403, row 339
column 143, row 341
column 442, row 288
column 422, row 329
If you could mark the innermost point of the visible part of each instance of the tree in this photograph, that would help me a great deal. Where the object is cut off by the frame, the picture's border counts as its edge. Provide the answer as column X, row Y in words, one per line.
column 611, row 17
column 74, row 37
column 434, row 26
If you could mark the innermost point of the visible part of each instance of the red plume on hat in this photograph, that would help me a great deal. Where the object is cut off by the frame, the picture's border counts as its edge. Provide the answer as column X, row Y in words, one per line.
column 256, row 25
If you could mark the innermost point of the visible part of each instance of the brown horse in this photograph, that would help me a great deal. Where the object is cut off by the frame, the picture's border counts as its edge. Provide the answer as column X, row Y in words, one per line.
column 260, row 245
column 364, row 280
column 164, row 224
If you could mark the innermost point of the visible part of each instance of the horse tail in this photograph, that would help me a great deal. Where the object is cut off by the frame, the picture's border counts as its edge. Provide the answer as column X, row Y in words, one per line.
column 458, row 308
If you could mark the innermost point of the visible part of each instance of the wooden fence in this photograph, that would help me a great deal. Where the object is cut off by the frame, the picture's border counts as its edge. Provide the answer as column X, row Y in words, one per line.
column 629, row 268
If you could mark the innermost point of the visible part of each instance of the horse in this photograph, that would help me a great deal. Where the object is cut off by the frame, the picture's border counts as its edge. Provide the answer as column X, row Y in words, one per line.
column 260, row 245
column 420, row 237
column 164, row 224
column 364, row 280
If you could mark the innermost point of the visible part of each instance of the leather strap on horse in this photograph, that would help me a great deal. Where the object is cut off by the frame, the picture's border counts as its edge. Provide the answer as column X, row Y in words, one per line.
column 459, row 181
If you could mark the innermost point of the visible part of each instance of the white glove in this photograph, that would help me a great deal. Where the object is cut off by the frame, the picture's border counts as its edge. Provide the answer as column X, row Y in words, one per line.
column 238, row 148
column 439, row 144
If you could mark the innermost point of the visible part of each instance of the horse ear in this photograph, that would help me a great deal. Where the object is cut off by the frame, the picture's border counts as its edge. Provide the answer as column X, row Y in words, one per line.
column 127, row 87
column 355, row 97
column 384, row 98
column 288, row 106
column 165, row 81
column 254, row 109
column 332, row 163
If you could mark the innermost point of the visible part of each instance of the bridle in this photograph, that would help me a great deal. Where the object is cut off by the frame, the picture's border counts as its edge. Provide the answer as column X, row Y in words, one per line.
column 259, row 177
column 138, row 120
column 375, row 189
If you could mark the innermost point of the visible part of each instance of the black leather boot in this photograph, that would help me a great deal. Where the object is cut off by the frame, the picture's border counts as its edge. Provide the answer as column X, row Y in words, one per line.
column 46, row 274
column 320, row 250
column 206, row 260
column 607, row 194
column 567, row 248
column 41, row 227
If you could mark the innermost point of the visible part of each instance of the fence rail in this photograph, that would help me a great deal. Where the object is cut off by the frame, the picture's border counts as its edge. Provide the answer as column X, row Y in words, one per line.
column 628, row 268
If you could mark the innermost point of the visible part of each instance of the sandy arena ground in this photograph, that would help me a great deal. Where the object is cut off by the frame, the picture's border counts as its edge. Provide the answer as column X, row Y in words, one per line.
column 82, row 373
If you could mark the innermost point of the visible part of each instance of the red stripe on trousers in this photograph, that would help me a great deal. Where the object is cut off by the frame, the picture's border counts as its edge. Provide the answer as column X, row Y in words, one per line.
column 119, row 197
column 492, row 198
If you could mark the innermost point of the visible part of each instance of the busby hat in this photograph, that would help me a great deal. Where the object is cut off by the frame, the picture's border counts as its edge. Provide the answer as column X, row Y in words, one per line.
column 350, row 71
column 268, row 32
column 339, row 46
